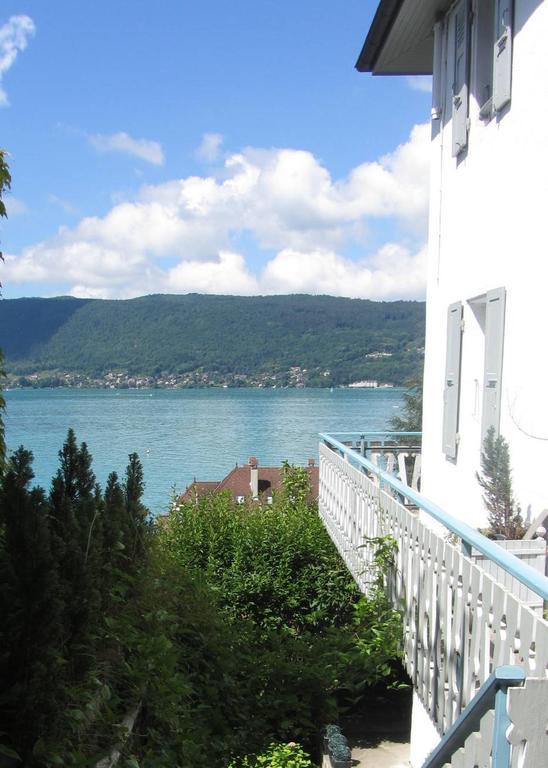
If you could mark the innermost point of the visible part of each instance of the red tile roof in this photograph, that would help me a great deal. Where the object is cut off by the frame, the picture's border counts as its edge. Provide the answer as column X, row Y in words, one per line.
column 238, row 482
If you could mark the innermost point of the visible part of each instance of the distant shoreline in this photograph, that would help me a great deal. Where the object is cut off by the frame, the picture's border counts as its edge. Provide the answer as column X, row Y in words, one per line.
column 294, row 378
column 10, row 387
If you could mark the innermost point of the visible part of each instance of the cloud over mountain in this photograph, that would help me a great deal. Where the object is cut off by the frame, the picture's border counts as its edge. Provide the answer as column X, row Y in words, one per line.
column 270, row 221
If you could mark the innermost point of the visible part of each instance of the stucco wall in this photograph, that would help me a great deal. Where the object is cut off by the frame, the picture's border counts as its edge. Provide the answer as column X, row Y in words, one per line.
column 489, row 228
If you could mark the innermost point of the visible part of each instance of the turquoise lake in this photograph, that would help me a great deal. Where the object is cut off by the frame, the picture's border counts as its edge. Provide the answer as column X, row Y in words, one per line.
column 181, row 434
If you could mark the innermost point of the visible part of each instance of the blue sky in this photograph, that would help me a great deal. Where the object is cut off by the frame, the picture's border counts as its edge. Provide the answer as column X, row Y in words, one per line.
column 212, row 147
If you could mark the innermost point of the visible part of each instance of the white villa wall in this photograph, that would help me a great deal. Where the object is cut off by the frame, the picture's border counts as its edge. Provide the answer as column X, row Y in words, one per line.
column 489, row 228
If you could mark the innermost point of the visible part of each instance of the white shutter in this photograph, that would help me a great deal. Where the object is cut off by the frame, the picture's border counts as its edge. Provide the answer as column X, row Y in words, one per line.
column 494, row 346
column 452, row 380
column 460, row 34
column 502, row 54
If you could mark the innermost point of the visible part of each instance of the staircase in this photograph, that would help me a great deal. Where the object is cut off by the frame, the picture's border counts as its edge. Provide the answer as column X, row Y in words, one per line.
column 463, row 624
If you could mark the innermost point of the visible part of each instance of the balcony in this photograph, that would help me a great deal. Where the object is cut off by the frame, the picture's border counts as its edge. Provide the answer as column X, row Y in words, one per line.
column 461, row 620
column 398, row 453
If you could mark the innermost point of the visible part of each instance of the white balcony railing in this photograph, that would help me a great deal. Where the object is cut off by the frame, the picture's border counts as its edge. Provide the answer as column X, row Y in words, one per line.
column 459, row 622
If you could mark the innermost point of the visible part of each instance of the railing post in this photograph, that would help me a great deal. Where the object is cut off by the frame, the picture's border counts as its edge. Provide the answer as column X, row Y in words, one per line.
column 466, row 548
column 494, row 690
column 501, row 746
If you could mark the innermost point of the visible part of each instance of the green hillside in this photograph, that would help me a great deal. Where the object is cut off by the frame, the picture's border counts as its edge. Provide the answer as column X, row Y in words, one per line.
column 229, row 338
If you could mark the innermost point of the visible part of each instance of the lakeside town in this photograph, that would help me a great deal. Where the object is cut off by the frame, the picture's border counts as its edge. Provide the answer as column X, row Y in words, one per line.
column 294, row 378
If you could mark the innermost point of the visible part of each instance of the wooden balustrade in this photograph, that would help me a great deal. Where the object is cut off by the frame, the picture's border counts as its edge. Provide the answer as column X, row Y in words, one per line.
column 459, row 623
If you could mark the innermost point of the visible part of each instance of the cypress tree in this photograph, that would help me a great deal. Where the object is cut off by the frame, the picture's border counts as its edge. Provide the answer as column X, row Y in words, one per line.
column 115, row 527
column 136, row 511
column 76, row 514
column 2, row 408
column 504, row 515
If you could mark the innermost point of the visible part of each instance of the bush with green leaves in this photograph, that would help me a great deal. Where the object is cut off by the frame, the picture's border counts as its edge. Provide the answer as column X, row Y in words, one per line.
column 274, row 569
column 290, row 755
column 274, row 564
column 230, row 628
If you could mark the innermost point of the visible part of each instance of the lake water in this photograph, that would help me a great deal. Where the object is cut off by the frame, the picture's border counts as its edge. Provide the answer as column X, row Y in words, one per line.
column 181, row 434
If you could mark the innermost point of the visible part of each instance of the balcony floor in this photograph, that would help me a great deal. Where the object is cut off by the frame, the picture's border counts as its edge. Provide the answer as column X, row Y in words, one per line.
column 388, row 754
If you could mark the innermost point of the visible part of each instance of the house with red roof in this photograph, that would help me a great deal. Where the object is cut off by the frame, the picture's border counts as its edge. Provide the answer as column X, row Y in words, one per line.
column 249, row 482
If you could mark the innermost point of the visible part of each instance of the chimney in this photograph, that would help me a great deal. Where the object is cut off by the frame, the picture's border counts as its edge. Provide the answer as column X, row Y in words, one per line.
column 254, row 477
column 311, row 462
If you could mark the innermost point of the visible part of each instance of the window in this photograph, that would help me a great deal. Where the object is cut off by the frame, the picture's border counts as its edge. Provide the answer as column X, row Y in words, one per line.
column 502, row 54
column 489, row 311
column 485, row 41
column 459, row 24
column 491, row 79
column 493, row 67
column 452, row 381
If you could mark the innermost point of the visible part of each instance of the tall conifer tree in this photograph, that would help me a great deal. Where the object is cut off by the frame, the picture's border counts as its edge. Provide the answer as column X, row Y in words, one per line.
column 31, row 631
column 136, row 511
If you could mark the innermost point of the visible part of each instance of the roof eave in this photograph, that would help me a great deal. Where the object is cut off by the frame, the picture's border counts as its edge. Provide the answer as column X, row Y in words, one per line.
column 385, row 16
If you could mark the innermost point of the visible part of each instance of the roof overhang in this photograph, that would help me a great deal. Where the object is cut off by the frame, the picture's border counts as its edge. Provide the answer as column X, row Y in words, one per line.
column 400, row 40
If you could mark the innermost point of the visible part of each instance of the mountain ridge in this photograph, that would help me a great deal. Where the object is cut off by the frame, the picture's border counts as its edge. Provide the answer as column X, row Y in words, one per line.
column 228, row 339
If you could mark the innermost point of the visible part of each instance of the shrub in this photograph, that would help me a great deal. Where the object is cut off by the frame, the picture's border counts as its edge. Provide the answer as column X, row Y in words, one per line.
column 289, row 755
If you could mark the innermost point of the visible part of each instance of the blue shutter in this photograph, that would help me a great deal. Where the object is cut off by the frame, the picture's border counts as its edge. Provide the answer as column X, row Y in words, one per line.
column 460, row 36
column 452, row 380
column 502, row 54
column 494, row 347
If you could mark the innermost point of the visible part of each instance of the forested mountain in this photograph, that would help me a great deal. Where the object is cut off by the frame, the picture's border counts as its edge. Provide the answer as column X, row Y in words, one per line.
column 269, row 340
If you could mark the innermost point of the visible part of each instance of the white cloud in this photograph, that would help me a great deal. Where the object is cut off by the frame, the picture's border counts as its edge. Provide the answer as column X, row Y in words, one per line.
column 422, row 83
column 310, row 232
column 14, row 206
column 65, row 205
column 150, row 151
column 393, row 272
column 14, row 37
column 209, row 148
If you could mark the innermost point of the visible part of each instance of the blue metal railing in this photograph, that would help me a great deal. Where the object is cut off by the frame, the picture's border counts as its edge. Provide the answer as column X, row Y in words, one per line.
column 468, row 535
column 492, row 693
column 377, row 435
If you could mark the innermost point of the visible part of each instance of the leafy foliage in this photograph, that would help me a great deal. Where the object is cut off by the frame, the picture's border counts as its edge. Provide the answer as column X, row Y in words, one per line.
column 226, row 335
column 5, row 184
column 59, row 583
column 273, row 564
column 273, row 569
column 504, row 515
column 289, row 755
column 2, row 408
column 411, row 421
column 5, row 180
column 226, row 628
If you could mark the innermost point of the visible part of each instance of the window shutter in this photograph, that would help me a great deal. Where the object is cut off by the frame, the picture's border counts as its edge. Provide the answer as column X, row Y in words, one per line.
column 502, row 61
column 460, row 32
column 494, row 345
column 452, row 380
column 437, row 92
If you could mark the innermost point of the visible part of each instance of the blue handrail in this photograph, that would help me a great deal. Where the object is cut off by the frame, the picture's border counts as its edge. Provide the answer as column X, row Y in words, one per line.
column 470, row 537
column 392, row 435
column 492, row 693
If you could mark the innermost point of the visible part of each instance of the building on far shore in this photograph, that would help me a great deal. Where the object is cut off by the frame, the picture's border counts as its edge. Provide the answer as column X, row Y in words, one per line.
column 249, row 483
